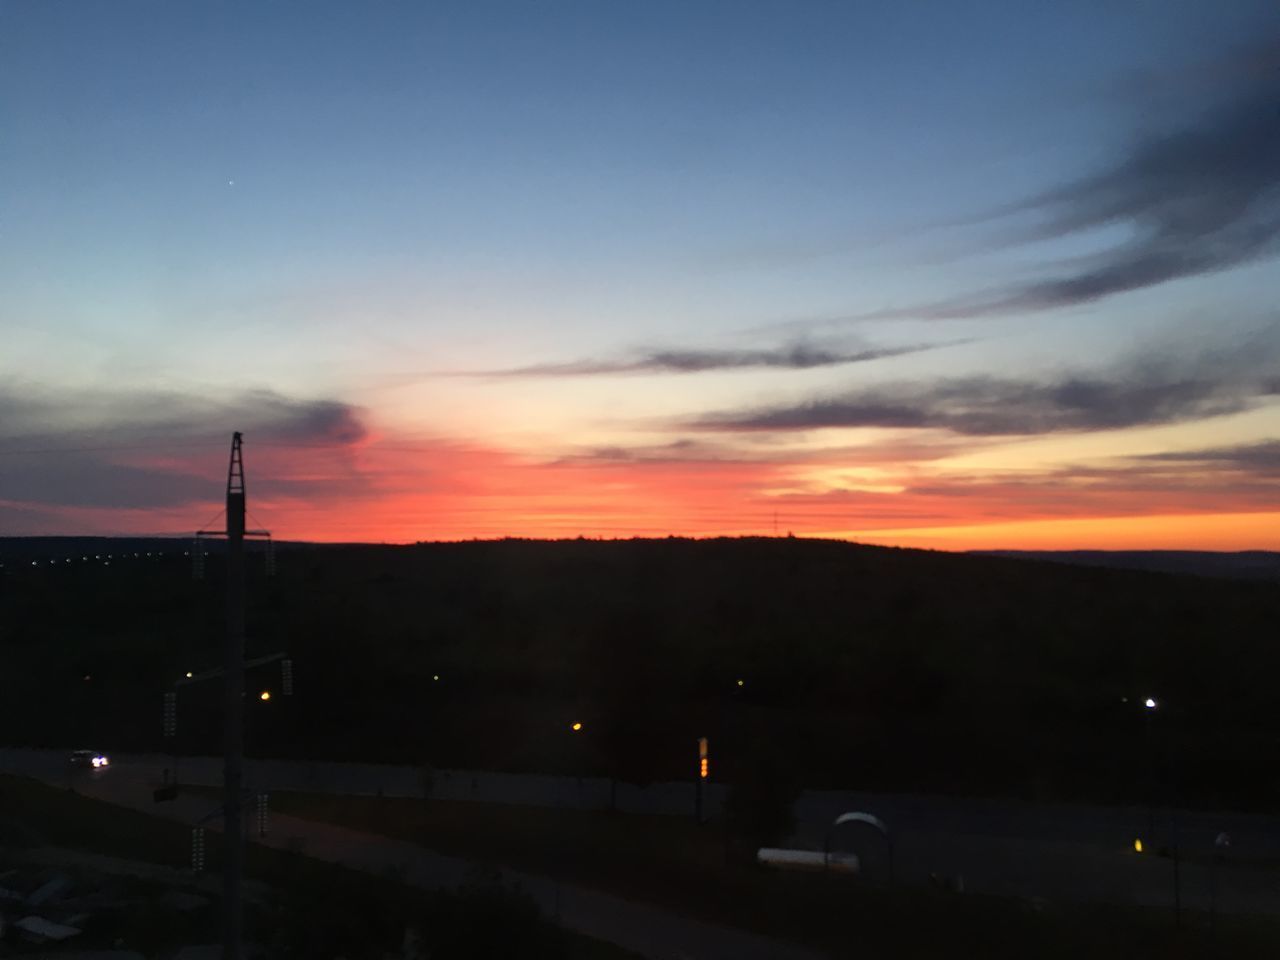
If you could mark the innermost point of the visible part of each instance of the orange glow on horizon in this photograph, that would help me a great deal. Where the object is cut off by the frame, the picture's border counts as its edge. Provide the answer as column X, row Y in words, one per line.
column 449, row 490
column 1212, row 531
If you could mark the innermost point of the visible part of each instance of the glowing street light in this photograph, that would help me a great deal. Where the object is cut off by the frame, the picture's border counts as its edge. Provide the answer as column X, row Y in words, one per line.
column 190, row 674
column 704, row 771
column 575, row 726
column 265, row 695
column 1150, row 703
column 1137, row 844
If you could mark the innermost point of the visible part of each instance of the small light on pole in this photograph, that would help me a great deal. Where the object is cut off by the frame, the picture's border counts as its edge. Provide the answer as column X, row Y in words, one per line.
column 704, row 771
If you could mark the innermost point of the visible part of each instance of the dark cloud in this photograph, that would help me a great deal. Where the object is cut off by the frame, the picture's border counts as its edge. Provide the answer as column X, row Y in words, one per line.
column 33, row 417
column 1202, row 199
column 1200, row 196
column 148, row 450
column 749, row 449
column 798, row 356
column 1260, row 458
column 1142, row 393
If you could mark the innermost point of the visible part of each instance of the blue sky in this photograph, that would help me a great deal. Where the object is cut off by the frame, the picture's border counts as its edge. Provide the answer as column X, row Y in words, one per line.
column 352, row 203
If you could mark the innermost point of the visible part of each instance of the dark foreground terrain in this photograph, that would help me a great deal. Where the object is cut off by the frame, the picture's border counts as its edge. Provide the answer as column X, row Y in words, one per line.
column 828, row 663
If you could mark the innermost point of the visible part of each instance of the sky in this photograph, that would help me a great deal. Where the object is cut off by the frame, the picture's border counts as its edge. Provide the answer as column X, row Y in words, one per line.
column 999, row 274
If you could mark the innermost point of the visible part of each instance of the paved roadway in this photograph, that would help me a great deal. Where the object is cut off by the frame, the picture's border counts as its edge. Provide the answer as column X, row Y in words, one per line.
column 1055, row 852
column 645, row 929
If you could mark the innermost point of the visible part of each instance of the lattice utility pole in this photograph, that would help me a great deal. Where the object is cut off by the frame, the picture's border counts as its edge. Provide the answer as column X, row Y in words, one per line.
column 233, row 669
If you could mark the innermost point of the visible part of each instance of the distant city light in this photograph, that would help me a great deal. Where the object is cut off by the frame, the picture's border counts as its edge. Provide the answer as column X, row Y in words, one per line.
column 1137, row 845
column 265, row 695
column 435, row 676
column 189, row 674
column 88, row 677
column 1149, row 703
column 576, row 726
column 742, row 683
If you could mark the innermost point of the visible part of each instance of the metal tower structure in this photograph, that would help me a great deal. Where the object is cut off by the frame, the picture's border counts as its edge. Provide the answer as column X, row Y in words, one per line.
column 233, row 672
column 233, row 773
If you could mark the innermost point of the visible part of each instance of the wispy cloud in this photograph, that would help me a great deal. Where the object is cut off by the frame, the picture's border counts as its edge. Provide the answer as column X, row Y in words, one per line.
column 1200, row 196
column 797, row 356
column 1142, row 392
column 1260, row 458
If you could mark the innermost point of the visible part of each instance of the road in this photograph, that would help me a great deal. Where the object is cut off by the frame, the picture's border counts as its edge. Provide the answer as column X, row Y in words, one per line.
column 645, row 929
column 1074, row 853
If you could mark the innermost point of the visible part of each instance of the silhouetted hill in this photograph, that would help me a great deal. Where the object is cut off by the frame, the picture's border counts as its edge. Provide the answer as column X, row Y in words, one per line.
column 864, row 666
column 1243, row 565
column 85, row 549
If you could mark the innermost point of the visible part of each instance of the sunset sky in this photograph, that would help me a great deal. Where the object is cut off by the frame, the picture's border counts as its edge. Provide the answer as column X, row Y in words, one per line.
column 958, row 275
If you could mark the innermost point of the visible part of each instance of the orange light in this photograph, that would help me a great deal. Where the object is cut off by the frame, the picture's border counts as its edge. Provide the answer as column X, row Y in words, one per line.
column 576, row 727
column 265, row 695
column 704, row 768
column 1137, row 845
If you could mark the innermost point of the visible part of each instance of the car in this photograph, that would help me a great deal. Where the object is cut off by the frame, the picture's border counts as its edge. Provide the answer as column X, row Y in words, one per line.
column 89, row 758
